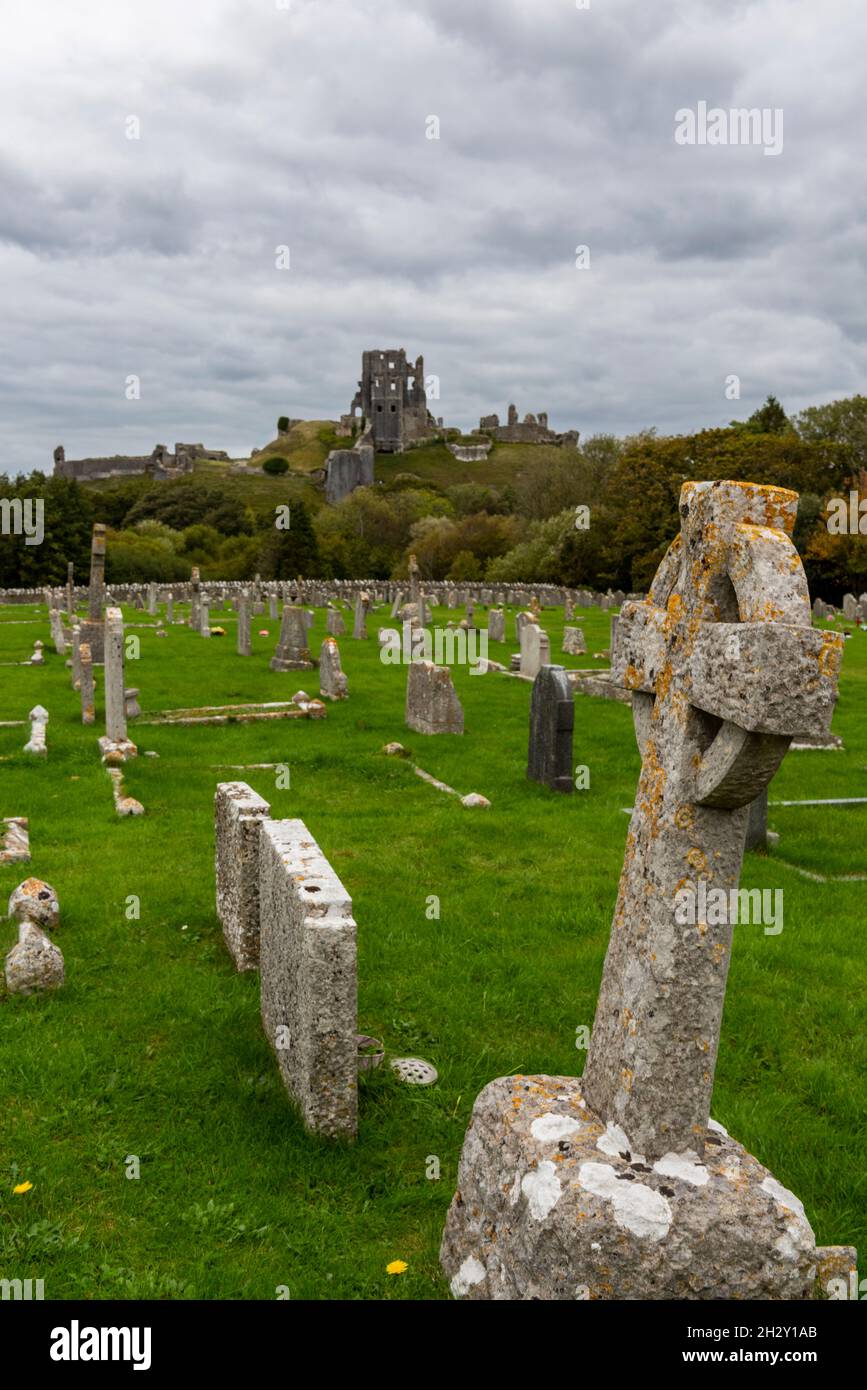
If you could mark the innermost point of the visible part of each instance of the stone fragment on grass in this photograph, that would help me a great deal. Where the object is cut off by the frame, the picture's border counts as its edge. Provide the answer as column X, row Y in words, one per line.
column 35, row 964
column 14, row 840
column 35, row 901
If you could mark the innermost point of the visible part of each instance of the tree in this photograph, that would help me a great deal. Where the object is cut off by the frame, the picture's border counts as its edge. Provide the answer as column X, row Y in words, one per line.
column 286, row 553
column 465, row 567
column 843, row 423
column 770, row 418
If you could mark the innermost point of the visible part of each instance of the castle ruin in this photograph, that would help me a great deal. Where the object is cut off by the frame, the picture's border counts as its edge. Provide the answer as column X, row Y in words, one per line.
column 392, row 401
column 533, row 429
column 159, row 464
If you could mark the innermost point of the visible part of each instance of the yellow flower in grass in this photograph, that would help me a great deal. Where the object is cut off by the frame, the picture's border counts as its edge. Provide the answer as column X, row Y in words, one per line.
column 22, row 1187
column 396, row 1267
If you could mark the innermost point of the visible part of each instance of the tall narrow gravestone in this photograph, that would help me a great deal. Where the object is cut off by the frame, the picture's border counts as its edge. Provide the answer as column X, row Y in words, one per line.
column 115, row 746
column 333, row 684
column 552, row 719
column 619, row 1184
column 359, row 626
column 93, row 626
column 307, row 969
column 535, row 649
column 244, row 624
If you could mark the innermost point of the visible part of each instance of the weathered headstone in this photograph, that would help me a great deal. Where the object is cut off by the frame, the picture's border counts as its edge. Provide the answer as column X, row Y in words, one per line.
column 58, row 636
column 432, row 706
column 414, row 593
column 535, row 650
column 293, row 653
column 238, row 816
column 614, row 1182
column 552, row 719
column 496, row 625
column 204, row 615
column 92, row 627
column 70, row 590
column 307, row 968
column 75, row 661
column 195, row 619
column 573, row 641
column 359, row 628
column 244, row 647
column 334, row 624
column 332, row 679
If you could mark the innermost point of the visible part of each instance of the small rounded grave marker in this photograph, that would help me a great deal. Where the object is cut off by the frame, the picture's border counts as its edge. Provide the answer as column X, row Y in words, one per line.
column 415, row 1071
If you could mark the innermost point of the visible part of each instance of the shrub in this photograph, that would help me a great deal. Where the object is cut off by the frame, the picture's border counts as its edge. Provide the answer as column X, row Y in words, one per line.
column 283, row 424
column 275, row 464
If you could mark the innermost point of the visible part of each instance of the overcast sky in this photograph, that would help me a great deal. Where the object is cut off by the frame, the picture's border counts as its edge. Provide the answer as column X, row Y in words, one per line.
column 304, row 123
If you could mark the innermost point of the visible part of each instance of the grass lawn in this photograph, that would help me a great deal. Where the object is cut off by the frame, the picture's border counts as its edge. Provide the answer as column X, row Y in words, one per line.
column 154, row 1048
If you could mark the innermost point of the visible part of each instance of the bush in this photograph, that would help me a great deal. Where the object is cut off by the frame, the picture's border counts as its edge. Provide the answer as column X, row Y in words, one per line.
column 275, row 464
column 282, row 424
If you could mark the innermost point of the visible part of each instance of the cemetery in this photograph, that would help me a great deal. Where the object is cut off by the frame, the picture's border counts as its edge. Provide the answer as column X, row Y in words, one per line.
column 318, row 977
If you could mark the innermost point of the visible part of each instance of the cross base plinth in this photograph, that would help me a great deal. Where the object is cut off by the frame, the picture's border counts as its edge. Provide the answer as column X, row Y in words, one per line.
column 552, row 1205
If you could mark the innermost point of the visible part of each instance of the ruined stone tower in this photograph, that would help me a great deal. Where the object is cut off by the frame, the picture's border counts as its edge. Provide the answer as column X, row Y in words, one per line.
column 392, row 400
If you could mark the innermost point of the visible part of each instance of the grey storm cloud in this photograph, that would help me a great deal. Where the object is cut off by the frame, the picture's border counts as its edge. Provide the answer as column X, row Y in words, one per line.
column 263, row 124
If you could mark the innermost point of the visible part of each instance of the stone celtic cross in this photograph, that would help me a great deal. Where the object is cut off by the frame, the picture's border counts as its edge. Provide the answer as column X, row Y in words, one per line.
column 725, row 668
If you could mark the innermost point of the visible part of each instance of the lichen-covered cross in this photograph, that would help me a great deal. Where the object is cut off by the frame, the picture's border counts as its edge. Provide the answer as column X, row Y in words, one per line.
column 725, row 668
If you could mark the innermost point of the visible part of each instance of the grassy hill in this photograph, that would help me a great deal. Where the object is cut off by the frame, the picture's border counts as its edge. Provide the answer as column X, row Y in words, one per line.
column 308, row 444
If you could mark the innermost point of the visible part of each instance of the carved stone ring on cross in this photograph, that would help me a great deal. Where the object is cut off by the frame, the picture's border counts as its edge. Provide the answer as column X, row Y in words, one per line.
column 724, row 646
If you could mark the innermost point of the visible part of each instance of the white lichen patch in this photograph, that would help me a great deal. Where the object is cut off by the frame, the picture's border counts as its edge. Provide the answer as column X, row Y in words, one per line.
column 471, row 1272
column 615, row 1142
column 639, row 1209
column 784, row 1197
column 717, row 1128
column 786, row 1247
column 685, row 1166
column 542, row 1190
column 550, row 1128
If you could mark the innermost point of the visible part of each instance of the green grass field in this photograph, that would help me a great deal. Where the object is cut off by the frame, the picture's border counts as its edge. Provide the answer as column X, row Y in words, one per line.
column 154, row 1047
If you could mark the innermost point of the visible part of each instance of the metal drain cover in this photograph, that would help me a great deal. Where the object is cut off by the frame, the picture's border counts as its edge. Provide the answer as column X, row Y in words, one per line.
column 414, row 1070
